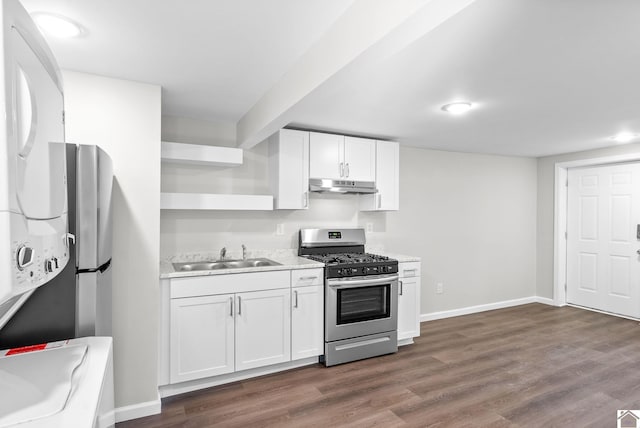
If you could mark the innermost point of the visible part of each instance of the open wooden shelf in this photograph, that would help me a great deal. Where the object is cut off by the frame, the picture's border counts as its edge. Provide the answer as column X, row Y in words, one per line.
column 212, row 201
column 198, row 154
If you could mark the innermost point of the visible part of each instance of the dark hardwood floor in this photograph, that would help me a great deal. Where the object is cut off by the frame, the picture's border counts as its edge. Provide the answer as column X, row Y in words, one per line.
column 528, row 366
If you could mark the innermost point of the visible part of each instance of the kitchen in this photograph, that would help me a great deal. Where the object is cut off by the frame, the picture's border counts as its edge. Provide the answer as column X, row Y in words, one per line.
column 476, row 211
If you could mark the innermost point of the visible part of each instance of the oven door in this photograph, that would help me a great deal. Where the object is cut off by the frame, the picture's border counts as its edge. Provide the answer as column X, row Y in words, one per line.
column 360, row 306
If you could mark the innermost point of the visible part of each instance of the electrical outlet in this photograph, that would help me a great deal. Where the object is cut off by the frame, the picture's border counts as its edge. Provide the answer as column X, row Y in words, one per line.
column 439, row 288
column 369, row 227
column 280, row 229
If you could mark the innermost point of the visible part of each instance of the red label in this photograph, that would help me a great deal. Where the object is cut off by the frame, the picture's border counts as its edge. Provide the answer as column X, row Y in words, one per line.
column 24, row 349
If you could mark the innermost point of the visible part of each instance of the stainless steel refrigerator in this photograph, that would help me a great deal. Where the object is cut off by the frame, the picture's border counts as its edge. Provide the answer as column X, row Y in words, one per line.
column 78, row 301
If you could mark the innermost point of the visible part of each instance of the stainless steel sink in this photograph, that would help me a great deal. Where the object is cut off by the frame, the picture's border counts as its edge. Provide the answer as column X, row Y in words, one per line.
column 229, row 264
column 191, row 266
column 251, row 263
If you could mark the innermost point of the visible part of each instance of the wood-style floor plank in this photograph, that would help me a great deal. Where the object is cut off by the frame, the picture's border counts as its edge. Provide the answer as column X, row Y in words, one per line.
column 526, row 366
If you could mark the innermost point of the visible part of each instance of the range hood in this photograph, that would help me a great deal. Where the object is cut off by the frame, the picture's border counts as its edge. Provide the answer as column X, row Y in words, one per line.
column 341, row 186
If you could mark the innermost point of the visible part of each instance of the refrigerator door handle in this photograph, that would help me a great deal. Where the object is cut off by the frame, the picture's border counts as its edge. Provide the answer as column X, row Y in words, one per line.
column 69, row 238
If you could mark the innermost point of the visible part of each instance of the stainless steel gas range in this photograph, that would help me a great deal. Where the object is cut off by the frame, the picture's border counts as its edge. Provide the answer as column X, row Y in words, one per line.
column 361, row 295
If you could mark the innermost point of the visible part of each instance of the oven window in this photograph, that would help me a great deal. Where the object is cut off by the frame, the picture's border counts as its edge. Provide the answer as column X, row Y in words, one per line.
column 364, row 303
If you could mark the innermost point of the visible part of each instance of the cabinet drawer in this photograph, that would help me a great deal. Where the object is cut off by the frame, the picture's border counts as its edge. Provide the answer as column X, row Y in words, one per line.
column 307, row 277
column 229, row 283
column 409, row 269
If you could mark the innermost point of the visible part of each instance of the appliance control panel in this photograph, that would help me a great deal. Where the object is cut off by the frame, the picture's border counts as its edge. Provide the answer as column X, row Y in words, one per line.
column 369, row 269
column 36, row 263
column 38, row 253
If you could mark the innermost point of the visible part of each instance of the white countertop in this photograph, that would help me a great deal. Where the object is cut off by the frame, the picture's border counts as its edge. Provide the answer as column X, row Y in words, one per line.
column 287, row 258
column 401, row 258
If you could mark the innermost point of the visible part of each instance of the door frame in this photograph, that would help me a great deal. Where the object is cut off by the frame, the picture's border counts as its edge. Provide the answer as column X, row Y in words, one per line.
column 560, row 217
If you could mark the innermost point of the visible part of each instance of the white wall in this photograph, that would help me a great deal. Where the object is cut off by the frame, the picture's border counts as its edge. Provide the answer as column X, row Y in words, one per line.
column 545, row 204
column 472, row 218
column 124, row 119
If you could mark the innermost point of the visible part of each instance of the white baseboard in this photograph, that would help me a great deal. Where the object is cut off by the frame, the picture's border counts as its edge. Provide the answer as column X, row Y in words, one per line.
column 139, row 410
column 545, row 301
column 482, row 308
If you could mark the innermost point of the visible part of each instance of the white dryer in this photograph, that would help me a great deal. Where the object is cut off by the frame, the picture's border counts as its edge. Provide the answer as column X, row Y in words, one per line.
column 33, row 199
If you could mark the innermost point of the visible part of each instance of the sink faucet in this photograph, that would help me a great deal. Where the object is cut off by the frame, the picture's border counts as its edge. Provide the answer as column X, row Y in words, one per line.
column 244, row 252
column 223, row 253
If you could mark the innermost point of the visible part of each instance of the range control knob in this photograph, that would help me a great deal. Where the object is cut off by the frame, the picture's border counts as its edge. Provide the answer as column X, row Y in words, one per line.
column 24, row 257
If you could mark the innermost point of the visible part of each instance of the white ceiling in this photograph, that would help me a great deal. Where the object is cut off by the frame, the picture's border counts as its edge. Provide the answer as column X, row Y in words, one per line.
column 545, row 76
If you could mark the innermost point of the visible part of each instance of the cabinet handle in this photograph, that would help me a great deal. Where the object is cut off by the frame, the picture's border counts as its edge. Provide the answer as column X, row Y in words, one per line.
column 401, row 291
column 231, row 306
column 306, row 199
column 295, row 294
column 347, row 165
column 341, row 169
column 305, row 278
column 239, row 305
column 409, row 272
column 379, row 200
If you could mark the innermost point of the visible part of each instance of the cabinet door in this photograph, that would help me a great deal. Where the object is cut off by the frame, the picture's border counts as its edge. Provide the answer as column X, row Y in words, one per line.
column 360, row 159
column 263, row 328
column 387, row 175
column 326, row 155
column 307, row 322
column 408, row 308
column 387, row 179
column 202, row 342
column 289, row 169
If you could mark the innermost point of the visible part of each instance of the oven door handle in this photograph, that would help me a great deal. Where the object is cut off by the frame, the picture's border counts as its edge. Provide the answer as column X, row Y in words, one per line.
column 352, row 283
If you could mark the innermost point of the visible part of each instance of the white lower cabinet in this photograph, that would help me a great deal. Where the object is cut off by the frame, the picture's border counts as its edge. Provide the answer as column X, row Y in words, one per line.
column 222, row 324
column 263, row 328
column 408, row 300
column 201, row 337
column 307, row 321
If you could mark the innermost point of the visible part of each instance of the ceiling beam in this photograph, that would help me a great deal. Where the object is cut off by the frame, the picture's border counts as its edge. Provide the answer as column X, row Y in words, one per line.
column 368, row 31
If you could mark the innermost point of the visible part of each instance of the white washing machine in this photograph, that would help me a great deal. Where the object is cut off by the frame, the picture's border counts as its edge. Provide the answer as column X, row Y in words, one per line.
column 33, row 201
column 63, row 384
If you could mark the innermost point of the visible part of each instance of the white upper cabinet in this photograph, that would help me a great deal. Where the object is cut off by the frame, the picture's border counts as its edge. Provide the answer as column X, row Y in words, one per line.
column 359, row 159
column 387, row 172
column 326, row 155
column 289, row 169
column 340, row 158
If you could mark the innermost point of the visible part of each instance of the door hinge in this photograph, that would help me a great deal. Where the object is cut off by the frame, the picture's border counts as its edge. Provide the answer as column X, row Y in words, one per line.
column 566, row 235
column 565, row 287
column 566, row 183
column 63, row 117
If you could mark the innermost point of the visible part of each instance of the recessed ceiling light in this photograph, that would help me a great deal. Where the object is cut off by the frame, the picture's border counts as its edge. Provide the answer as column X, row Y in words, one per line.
column 56, row 25
column 624, row 137
column 457, row 108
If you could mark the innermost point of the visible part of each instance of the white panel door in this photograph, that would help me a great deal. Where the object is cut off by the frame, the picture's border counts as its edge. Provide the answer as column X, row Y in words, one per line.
column 307, row 322
column 263, row 328
column 602, row 260
column 326, row 155
column 201, row 337
column 360, row 159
